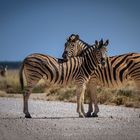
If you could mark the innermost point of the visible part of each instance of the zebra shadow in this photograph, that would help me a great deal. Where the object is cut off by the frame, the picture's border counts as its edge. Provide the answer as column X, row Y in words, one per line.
column 37, row 118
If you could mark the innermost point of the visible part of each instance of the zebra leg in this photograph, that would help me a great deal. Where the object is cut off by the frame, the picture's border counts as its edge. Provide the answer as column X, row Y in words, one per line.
column 90, row 107
column 82, row 104
column 93, row 99
column 80, row 109
column 25, row 105
column 31, row 84
column 96, row 108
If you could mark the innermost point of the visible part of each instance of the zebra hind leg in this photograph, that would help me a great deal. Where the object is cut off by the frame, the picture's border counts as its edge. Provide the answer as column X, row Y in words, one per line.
column 80, row 109
column 25, row 101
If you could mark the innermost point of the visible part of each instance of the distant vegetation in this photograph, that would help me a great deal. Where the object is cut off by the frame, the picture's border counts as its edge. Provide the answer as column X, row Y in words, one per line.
column 10, row 84
column 11, row 64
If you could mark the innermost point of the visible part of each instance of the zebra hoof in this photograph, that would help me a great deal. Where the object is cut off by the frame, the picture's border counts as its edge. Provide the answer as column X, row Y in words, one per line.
column 88, row 115
column 94, row 115
column 28, row 116
column 81, row 116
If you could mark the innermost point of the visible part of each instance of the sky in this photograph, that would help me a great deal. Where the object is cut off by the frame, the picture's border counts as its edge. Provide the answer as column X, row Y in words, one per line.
column 42, row 26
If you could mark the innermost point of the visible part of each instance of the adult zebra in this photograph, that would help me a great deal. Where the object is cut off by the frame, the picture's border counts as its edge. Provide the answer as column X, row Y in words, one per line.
column 37, row 66
column 117, row 71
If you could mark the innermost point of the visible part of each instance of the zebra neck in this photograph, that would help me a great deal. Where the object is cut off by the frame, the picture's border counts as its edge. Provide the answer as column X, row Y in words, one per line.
column 90, row 60
column 81, row 47
column 88, row 53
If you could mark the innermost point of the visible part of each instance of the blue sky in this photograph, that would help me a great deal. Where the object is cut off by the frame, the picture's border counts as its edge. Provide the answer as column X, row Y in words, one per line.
column 30, row 26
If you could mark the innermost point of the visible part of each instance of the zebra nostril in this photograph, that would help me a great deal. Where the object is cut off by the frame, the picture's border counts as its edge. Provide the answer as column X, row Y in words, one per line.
column 103, row 62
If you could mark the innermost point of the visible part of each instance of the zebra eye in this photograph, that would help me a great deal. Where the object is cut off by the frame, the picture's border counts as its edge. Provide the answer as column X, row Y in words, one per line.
column 73, row 40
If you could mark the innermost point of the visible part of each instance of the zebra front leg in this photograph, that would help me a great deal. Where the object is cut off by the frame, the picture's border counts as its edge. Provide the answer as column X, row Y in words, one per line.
column 82, row 104
column 90, row 107
column 80, row 93
column 26, row 95
column 94, row 100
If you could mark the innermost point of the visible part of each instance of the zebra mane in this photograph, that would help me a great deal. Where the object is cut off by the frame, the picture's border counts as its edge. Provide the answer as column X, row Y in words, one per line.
column 85, row 47
column 84, row 43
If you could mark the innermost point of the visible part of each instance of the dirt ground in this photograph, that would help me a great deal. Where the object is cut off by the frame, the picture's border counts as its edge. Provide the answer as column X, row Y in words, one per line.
column 59, row 121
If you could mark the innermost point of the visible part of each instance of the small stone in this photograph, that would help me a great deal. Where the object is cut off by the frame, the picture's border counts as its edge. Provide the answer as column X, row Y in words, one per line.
column 6, row 126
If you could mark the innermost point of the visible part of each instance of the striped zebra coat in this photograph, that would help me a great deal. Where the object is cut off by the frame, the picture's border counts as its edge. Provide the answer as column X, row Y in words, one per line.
column 38, row 66
column 118, row 70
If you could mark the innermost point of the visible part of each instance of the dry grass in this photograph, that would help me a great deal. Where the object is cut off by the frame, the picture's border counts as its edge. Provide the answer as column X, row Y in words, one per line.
column 125, row 96
column 67, row 93
column 10, row 83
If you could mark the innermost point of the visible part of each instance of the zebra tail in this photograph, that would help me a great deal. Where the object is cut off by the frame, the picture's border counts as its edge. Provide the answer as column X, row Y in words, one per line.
column 21, row 76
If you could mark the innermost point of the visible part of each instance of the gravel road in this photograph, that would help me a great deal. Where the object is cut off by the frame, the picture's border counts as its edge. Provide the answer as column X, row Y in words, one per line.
column 59, row 121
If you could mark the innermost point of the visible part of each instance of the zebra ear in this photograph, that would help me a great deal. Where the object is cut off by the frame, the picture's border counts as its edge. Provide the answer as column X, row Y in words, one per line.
column 73, row 38
column 106, row 43
column 77, row 37
column 101, row 42
column 96, row 42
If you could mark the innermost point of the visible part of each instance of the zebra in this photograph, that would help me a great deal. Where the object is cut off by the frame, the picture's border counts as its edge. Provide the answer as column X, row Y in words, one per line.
column 37, row 66
column 117, row 71
column 3, row 71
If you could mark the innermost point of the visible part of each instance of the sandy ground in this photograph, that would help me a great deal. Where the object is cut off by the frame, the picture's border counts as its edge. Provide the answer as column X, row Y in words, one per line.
column 59, row 121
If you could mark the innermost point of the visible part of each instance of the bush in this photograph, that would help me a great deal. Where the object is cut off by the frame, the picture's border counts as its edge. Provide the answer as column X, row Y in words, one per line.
column 10, row 83
column 125, row 92
column 67, row 93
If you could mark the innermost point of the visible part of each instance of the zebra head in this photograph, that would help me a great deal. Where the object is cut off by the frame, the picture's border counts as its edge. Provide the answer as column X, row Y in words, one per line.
column 70, row 47
column 75, row 47
column 101, row 51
